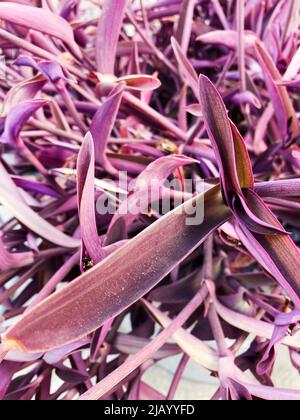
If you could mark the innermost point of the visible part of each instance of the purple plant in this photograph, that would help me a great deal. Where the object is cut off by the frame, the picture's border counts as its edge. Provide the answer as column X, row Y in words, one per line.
column 173, row 90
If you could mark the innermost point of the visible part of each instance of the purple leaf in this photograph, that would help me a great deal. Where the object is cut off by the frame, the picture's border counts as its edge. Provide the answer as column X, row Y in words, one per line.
column 140, row 82
column 195, row 109
column 242, row 159
column 59, row 320
column 187, row 70
column 40, row 20
column 86, row 201
column 148, row 188
column 7, row 370
column 33, row 221
column 228, row 39
column 249, row 324
column 22, row 92
column 49, row 69
column 56, row 356
column 107, row 39
column 282, row 104
column 282, row 324
column 184, row 27
column 247, row 98
column 197, row 350
column 277, row 253
column 113, row 91
column 249, row 218
column 102, row 126
column 17, row 117
column 220, row 134
column 10, row 260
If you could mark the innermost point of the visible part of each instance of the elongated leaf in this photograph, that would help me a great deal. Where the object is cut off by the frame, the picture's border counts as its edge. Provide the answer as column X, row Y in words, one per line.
column 184, row 27
column 120, row 280
column 233, row 158
column 242, row 159
column 276, row 253
column 17, row 117
column 280, row 188
column 102, row 126
column 240, row 386
column 112, row 381
column 162, row 168
column 247, row 97
column 108, row 33
column 140, row 82
column 33, row 221
column 228, row 38
column 55, row 356
column 249, row 218
column 187, row 70
column 218, row 127
column 148, row 188
column 197, row 350
column 51, row 70
column 248, row 324
column 40, row 20
column 9, row 260
column 7, row 370
column 23, row 91
column 282, row 323
column 282, row 104
column 194, row 109
column 86, row 200
column 38, row 187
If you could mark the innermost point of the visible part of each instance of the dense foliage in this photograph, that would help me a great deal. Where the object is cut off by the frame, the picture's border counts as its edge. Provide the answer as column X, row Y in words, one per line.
column 171, row 91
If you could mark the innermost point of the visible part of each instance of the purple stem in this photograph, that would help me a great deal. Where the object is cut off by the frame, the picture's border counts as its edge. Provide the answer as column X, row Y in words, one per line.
column 111, row 382
column 179, row 372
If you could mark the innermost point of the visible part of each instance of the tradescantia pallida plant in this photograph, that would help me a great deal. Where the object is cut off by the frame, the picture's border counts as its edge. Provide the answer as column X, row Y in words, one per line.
column 83, row 102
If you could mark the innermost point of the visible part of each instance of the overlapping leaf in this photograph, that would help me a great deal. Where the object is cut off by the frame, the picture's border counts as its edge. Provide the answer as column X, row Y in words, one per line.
column 119, row 281
column 255, row 219
column 107, row 40
column 40, row 20
column 102, row 126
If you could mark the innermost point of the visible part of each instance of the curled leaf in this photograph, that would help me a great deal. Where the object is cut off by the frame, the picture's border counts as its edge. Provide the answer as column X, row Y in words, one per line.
column 17, row 117
column 220, row 133
column 25, row 215
column 22, row 92
column 86, row 201
column 140, row 82
column 102, row 126
column 282, row 104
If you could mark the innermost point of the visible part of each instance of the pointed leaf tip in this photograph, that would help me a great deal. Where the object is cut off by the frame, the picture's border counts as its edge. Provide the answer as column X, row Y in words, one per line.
column 220, row 133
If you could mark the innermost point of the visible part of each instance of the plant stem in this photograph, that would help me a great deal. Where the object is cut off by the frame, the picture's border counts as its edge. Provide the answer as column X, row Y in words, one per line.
column 111, row 382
